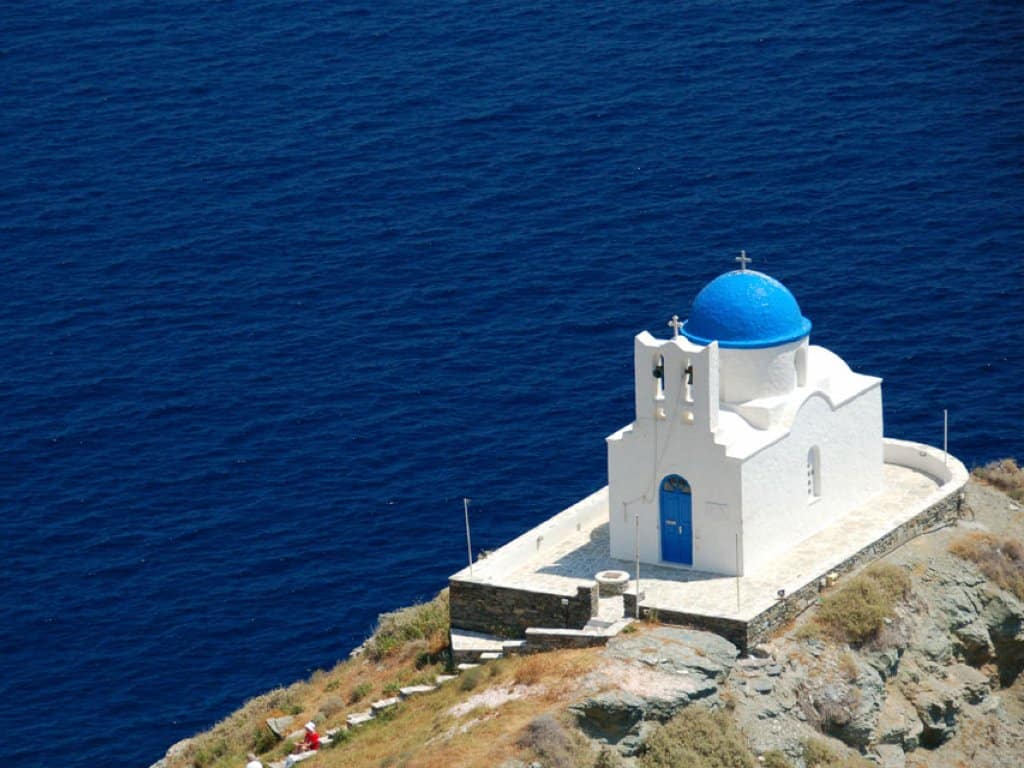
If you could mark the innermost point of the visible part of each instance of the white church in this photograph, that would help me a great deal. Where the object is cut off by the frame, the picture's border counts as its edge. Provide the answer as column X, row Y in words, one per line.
column 747, row 438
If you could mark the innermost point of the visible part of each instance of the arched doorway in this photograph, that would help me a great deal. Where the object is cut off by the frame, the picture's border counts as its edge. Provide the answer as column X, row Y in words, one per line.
column 676, row 503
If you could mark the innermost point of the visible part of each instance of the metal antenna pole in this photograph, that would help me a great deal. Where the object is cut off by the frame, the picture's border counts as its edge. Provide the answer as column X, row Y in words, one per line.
column 636, row 555
column 737, row 573
column 945, row 437
column 469, row 544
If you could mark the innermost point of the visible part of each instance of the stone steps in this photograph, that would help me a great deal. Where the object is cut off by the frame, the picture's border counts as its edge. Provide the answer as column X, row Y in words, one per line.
column 489, row 652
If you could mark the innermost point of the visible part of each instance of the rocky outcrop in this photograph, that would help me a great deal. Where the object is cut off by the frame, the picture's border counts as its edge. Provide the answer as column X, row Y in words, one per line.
column 654, row 674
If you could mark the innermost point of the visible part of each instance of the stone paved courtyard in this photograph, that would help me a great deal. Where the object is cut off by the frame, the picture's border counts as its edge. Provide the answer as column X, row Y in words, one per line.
column 577, row 557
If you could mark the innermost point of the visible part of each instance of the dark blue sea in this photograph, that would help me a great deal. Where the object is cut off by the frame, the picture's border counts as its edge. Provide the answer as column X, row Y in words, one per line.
column 280, row 283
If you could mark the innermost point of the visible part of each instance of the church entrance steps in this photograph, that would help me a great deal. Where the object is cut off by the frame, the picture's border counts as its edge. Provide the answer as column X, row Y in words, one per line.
column 512, row 647
column 595, row 633
column 442, row 679
column 490, row 655
column 466, row 666
column 470, row 646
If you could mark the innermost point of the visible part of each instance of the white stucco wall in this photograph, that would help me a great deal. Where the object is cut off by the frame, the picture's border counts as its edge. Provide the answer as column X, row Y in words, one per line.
column 674, row 433
column 747, row 374
column 740, row 434
column 777, row 510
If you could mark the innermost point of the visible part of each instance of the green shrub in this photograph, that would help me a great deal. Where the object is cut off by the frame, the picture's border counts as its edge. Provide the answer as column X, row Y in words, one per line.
column 208, row 752
column 263, row 739
column 426, row 623
column 697, row 738
column 608, row 758
column 553, row 744
column 818, row 753
column 470, row 679
column 773, row 758
column 1004, row 475
column 359, row 692
column 856, row 611
column 331, row 705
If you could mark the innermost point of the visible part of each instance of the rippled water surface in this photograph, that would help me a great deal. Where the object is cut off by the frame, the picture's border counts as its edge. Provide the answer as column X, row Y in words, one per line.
column 280, row 283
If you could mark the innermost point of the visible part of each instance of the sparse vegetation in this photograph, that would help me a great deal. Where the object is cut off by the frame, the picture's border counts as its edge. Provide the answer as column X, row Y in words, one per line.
column 470, row 679
column 608, row 758
column 698, row 738
column 554, row 744
column 1001, row 559
column 818, row 754
column 856, row 612
column 848, row 666
column 773, row 758
column 417, row 630
column 359, row 692
column 1004, row 475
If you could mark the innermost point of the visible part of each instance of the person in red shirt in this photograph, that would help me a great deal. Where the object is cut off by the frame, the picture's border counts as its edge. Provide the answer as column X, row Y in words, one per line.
column 311, row 742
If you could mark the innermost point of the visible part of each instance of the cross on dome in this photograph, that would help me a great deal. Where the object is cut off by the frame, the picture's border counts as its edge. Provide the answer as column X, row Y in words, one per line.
column 743, row 259
column 675, row 325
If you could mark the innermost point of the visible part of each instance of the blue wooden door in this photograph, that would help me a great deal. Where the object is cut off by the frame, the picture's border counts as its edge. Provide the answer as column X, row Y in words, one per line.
column 676, row 504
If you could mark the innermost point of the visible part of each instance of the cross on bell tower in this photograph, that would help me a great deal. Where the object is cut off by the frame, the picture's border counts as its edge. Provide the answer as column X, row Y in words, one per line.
column 743, row 259
column 675, row 325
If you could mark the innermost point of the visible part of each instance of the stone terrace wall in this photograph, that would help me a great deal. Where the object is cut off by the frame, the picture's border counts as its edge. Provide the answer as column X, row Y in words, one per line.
column 745, row 635
column 733, row 630
column 507, row 612
column 764, row 625
column 540, row 640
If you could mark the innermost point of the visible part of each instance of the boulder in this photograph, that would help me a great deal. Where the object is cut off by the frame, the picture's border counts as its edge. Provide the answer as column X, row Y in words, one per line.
column 934, row 642
column 279, row 725
column 610, row 716
column 1004, row 618
column 847, row 709
column 975, row 645
column 938, row 706
column 678, row 651
column 176, row 750
column 898, row 722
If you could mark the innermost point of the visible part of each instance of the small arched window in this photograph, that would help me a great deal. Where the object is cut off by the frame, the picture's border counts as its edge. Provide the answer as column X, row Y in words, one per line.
column 814, row 473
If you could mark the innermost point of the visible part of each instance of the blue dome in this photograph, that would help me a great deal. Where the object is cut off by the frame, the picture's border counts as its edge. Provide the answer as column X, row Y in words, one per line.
column 745, row 309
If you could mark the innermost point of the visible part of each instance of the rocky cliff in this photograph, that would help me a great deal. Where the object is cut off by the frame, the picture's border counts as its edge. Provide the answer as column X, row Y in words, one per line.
column 932, row 678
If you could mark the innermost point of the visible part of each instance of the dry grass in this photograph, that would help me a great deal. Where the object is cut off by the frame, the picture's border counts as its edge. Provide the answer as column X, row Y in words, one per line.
column 819, row 754
column 856, row 612
column 1000, row 558
column 1004, row 475
column 556, row 667
column 847, row 665
column 419, row 631
column 420, row 732
column 553, row 744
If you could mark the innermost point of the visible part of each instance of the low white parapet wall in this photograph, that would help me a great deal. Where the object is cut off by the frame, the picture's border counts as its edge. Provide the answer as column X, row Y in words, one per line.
column 947, row 470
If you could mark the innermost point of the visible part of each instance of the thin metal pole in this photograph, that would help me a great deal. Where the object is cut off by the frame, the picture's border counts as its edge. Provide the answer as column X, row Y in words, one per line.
column 469, row 543
column 737, row 572
column 636, row 555
column 945, row 436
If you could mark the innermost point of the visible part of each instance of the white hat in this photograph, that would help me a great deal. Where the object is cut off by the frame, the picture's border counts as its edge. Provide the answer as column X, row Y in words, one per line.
column 310, row 726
